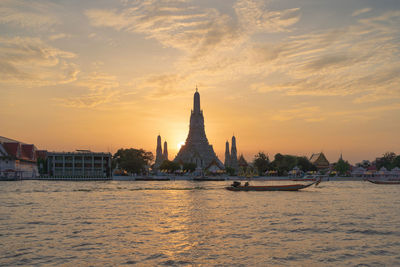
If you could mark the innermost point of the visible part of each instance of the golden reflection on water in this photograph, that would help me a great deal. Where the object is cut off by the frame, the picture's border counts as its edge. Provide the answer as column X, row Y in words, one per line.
column 187, row 223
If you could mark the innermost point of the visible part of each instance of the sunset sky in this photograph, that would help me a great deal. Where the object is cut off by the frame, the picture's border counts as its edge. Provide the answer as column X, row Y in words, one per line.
column 296, row 77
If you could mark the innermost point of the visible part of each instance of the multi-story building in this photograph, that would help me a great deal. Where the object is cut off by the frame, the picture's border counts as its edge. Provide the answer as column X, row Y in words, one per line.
column 81, row 163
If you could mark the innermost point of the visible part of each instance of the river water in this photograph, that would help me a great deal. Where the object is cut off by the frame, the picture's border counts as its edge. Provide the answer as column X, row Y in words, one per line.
column 184, row 223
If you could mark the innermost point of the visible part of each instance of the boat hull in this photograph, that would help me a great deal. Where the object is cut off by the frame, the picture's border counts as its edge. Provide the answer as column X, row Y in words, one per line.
column 383, row 182
column 292, row 187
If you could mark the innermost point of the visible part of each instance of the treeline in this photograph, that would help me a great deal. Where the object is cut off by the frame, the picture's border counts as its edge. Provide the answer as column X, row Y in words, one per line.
column 132, row 160
column 389, row 160
column 139, row 161
column 282, row 164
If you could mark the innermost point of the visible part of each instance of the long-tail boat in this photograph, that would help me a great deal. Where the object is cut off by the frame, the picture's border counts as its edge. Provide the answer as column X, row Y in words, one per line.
column 290, row 187
column 384, row 181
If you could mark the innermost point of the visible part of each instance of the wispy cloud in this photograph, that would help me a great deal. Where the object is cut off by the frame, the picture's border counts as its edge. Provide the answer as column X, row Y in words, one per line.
column 26, row 14
column 32, row 62
column 102, row 89
column 303, row 113
column 361, row 11
column 212, row 42
column 313, row 113
column 163, row 85
column 360, row 58
column 59, row 36
column 196, row 30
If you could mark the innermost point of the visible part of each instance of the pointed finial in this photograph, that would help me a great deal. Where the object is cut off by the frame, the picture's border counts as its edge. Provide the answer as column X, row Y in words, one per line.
column 196, row 88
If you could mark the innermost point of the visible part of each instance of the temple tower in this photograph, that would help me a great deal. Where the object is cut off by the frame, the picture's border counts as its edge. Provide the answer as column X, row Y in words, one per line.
column 234, row 160
column 196, row 148
column 165, row 153
column 159, row 154
column 227, row 155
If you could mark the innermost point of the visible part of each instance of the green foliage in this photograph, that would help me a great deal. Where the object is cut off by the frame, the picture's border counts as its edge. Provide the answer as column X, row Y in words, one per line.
column 230, row 171
column 169, row 166
column 42, row 166
column 261, row 163
column 305, row 165
column 285, row 163
column 189, row 167
column 389, row 161
column 133, row 160
column 364, row 164
column 342, row 167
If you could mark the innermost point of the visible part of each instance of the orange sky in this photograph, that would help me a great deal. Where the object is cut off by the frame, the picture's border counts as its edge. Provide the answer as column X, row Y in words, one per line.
column 295, row 77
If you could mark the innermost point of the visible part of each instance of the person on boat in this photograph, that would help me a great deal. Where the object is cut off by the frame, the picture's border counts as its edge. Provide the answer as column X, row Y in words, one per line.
column 246, row 184
column 235, row 184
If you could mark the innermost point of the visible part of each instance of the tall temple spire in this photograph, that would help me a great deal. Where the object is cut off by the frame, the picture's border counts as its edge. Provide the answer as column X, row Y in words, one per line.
column 159, row 154
column 165, row 153
column 196, row 102
column 234, row 160
column 159, row 149
column 227, row 155
column 196, row 148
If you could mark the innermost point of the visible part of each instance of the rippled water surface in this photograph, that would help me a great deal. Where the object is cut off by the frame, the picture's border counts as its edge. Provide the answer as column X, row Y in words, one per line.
column 197, row 223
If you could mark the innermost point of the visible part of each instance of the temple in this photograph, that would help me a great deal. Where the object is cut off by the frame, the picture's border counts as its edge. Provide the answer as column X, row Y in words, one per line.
column 231, row 159
column 160, row 155
column 196, row 148
column 319, row 160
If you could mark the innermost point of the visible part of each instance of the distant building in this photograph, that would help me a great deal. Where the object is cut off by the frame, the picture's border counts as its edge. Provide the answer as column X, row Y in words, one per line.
column 82, row 163
column 17, row 159
column 319, row 160
column 242, row 162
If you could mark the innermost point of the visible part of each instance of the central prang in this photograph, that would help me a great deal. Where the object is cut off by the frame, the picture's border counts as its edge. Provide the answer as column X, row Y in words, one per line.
column 196, row 148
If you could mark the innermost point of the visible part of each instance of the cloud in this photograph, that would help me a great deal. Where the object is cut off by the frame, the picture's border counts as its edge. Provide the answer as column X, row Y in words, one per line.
column 103, row 88
column 26, row 14
column 220, row 46
column 361, row 11
column 362, row 58
column 311, row 114
column 59, row 36
column 197, row 31
column 304, row 113
column 330, row 61
column 163, row 85
column 32, row 62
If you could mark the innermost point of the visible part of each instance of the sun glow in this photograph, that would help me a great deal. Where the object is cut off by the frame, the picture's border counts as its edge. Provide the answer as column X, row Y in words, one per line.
column 180, row 144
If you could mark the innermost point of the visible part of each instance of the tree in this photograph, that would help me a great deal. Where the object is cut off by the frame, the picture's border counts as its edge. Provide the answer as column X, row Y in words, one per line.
column 305, row 165
column 133, row 160
column 284, row 163
column 230, row 171
column 189, row 167
column 396, row 161
column 388, row 161
column 342, row 167
column 261, row 163
column 169, row 166
column 364, row 164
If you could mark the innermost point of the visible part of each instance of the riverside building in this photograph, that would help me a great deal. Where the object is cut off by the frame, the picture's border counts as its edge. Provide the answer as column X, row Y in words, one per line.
column 81, row 163
column 17, row 159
